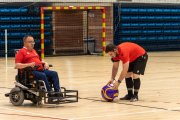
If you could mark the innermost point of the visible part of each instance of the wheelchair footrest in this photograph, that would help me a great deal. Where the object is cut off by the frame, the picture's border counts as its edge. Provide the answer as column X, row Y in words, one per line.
column 68, row 96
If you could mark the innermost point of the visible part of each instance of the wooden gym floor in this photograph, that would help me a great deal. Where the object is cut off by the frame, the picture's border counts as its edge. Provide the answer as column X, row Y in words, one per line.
column 159, row 94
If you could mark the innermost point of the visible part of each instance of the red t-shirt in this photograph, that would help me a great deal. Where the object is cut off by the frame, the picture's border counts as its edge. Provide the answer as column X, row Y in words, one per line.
column 26, row 56
column 128, row 51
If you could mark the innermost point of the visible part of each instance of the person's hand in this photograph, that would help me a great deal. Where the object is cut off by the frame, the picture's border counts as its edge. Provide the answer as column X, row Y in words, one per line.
column 110, row 81
column 116, row 85
column 32, row 64
column 46, row 66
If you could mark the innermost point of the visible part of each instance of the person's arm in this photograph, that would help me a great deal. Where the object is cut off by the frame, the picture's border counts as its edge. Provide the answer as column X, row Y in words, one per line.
column 114, row 71
column 122, row 75
column 24, row 65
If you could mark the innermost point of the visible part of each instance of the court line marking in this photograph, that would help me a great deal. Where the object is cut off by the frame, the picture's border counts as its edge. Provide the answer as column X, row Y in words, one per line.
column 30, row 114
column 121, row 102
column 155, row 109
column 90, row 117
column 119, row 114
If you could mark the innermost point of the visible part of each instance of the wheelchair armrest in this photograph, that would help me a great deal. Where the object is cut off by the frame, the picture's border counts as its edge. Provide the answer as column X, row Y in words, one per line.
column 26, row 68
column 50, row 65
column 29, row 68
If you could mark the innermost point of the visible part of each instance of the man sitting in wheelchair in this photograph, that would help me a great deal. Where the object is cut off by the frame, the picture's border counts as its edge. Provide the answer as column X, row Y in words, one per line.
column 28, row 57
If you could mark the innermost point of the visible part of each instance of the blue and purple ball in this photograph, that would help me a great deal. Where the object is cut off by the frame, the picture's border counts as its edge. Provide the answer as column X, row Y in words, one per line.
column 109, row 93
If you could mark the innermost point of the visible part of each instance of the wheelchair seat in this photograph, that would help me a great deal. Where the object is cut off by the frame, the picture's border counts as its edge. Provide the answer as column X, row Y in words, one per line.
column 26, row 77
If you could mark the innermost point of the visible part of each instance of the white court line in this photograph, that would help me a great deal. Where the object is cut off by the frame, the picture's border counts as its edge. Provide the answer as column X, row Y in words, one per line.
column 31, row 113
column 90, row 117
column 119, row 114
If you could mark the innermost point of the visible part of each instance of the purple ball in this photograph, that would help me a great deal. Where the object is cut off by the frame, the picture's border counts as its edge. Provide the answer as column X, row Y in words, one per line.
column 108, row 93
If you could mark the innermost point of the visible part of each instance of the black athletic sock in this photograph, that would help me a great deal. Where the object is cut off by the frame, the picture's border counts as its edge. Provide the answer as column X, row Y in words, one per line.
column 129, row 85
column 137, row 84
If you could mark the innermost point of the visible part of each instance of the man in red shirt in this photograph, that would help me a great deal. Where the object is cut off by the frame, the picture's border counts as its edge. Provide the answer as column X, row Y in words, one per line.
column 134, row 59
column 27, row 56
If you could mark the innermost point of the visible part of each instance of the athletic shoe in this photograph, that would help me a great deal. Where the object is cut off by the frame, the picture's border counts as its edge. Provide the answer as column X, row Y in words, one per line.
column 126, row 97
column 134, row 99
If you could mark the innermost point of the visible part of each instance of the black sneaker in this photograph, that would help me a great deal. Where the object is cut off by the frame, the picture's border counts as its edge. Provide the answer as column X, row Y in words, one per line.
column 59, row 95
column 52, row 98
column 126, row 97
column 134, row 99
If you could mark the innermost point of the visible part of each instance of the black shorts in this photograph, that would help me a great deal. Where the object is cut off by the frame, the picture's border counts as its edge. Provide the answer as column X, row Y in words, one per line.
column 138, row 66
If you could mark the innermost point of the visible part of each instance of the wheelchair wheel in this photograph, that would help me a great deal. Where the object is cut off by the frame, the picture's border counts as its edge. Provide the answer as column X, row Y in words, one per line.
column 17, row 96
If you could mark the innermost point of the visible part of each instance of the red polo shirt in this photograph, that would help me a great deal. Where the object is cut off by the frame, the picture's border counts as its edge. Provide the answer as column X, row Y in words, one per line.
column 128, row 51
column 26, row 56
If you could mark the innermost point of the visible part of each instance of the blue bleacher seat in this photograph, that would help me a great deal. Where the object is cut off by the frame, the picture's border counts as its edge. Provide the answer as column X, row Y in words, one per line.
column 159, row 24
column 167, row 10
column 125, row 10
column 175, row 24
column 134, row 24
column 158, row 31
column 133, row 38
column 134, row 10
column 135, row 31
column 126, row 38
column 5, row 18
column 142, row 24
column 150, row 9
column 142, row 10
column 143, row 17
column 142, row 38
column 158, row 10
column 153, row 38
column 125, row 18
column 126, row 31
column 174, row 10
column 167, row 24
column 166, row 17
column 151, row 24
column 134, row 17
column 126, row 24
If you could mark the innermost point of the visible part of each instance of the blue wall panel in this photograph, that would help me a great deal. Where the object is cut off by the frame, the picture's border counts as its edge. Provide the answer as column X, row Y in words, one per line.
column 154, row 26
column 20, row 21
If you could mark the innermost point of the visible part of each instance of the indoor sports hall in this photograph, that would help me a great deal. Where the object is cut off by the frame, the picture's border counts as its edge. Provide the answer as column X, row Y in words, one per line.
column 72, row 36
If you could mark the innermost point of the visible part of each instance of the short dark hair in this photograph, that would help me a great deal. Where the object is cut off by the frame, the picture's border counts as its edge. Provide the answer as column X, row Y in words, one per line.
column 25, row 37
column 110, row 47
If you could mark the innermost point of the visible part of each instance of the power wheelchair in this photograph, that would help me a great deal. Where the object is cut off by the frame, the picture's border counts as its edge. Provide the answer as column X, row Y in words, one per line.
column 29, row 88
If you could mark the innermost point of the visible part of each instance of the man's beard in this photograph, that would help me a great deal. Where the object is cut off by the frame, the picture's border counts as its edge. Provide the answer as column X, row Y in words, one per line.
column 116, row 54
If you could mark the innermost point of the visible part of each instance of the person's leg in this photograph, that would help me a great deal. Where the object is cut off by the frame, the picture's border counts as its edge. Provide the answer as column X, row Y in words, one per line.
column 42, row 76
column 54, row 76
column 139, row 69
column 129, row 85
column 137, row 83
